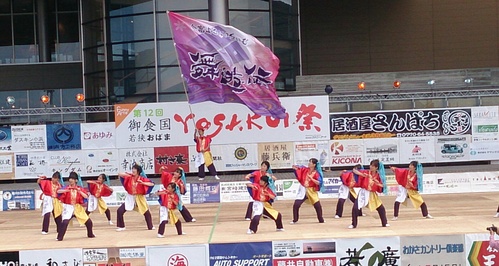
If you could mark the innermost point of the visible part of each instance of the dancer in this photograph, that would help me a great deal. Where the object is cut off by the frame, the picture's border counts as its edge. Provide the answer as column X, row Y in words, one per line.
column 179, row 179
column 50, row 202
column 204, row 154
column 262, row 195
column 310, row 179
column 410, row 182
column 98, row 189
column 254, row 178
column 349, row 181
column 169, row 200
column 493, row 244
column 372, row 182
column 137, row 185
column 72, row 196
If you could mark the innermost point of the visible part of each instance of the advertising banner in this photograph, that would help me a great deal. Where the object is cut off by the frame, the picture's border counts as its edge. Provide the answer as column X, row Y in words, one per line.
column 69, row 256
column 98, row 136
column 66, row 162
column 119, row 195
column 216, row 152
column 172, row 158
column 483, row 181
column 160, row 125
column 175, row 255
column 331, row 187
column 304, row 252
column 104, row 161
column 484, row 151
column 368, row 251
column 289, row 188
column 63, row 137
column 400, row 123
column 141, row 156
column 9, row 258
column 279, row 154
column 421, row 149
column 485, row 120
column 6, row 164
column 453, row 183
column 386, row 150
column 234, row 191
column 29, row 138
column 256, row 253
column 205, row 192
column 5, row 139
column 18, row 200
column 478, row 251
column 238, row 157
column 31, row 165
column 306, row 150
column 452, row 148
column 432, row 250
column 346, row 153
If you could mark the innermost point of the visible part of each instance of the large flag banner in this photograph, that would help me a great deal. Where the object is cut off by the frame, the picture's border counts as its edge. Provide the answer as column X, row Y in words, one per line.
column 223, row 64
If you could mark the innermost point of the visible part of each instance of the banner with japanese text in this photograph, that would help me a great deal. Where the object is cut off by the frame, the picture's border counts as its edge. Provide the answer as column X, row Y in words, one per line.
column 29, row 138
column 31, row 165
column 104, row 161
column 421, row 149
column 173, row 255
column 432, row 250
column 234, row 191
column 172, row 158
column 141, row 156
column 452, row 148
column 5, row 139
column 237, row 157
column 369, row 251
column 66, row 162
column 347, row 153
column 51, row 257
column 278, row 154
column 6, row 165
column 63, row 137
column 304, row 252
column 386, row 150
column 205, row 192
column 485, row 121
column 478, row 251
column 253, row 253
column 98, row 136
column 18, row 200
column 9, row 258
column 316, row 149
column 160, row 125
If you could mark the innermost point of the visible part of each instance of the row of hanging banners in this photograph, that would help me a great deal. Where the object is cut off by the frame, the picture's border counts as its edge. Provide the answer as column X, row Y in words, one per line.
column 157, row 134
column 468, row 249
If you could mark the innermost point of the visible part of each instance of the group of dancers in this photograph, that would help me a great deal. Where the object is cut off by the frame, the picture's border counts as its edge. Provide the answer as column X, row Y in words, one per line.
column 359, row 185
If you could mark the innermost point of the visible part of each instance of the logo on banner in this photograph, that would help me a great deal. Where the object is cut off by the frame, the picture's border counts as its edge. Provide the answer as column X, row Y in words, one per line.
column 241, row 153
column 7, row 195
column 337, row 148
column 177, row 260
column 63, row 135
column 3, row 135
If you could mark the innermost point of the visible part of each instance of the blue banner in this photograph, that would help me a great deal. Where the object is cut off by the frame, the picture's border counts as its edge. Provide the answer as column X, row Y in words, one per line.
column 241, row 254
column 18, row 200
column 5, row 139
column 63, row 137
column 205, row 192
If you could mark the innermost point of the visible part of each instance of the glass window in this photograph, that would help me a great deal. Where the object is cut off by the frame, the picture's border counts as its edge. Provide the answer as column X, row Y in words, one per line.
column 132, row 28
column 253, row 23
column 4, row 7
column 95, row 91
column 24, row 29
column 133, row 55
column 36, row 95
column 68, row 27
column 164, row 24
column 20, row 99
column 170, row 80
column 120, row 8
column 94, row 33
column 245, row 4
column 94, row 59
column 92, row 10
column 67, row 5
column 6, row 29
column 69, row 97
column 22, row 6
column 166, row 53
column 182, row 5
column 68, row 52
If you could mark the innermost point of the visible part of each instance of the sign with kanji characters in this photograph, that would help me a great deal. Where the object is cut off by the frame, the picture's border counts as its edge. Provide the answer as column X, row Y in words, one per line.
column 66, row 162
column 159, row 125
column 29, row 138
column 346, row 152
column 253, row 253
column 386, row 150
column 432, row 250
column 63, row 137
column 368, row 251
column 421, row 149
column 31, row 165
column 6, row 164
column 9, row 258
column 5, row 140
column 484, row 151
column 306, row 150
column 141, row 156
column 304, row 252
column 171, row 157
column 205, row 192
column 478, row 251
column 216, row 152
column 485, row 120
column 232, row 157
column 52, row 257
column 278, row 154
column 483, row 181
column 234, row 191
column 98, row 136
column 177, row 255
column 452, row 148
column 453, row 183
column 104, row 161
column 18, row 199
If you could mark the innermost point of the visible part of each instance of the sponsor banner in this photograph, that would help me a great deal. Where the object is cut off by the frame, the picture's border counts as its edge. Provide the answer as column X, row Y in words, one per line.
column 453, row 183
column 430, row 183
column 98, row 162
column 256, row 253
column 478, row 251
column 30, row 165
column 386, row 150
column 119, row 194
column 69, row 256
column 171, row 157
column 159, row 125
column 98, row 135
column 238, row 157
column 289, row 188
column 452, row 148
column 141, row 156
column 483, row 181
column 171, row 255
column 9, row 258
column 485, row 123
column 66, row 162
column 400, row 123
column 279, row 154
column 306, row 150
column 95, row 255
column 6, row 163
column 304, row 252
column 29, row 138
column 421, row 149
column 432, row 250
column 331, row 188
column 234, row 191
column 18, row 200
column 368, row 251
column 484, row 150
column 205, row 192
column 115, row 256
column 346, row 152
column 63, row 137
column 5, row 139
column 216, row 152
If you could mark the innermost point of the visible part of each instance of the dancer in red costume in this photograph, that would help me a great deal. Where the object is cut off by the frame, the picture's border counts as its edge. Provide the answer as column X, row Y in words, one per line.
column 254, row 178
column 349, row 181
column 204, row 154
column 262, row 195
column 178, row 177
column 169, row 201
column 98, row 189
column 50, row 202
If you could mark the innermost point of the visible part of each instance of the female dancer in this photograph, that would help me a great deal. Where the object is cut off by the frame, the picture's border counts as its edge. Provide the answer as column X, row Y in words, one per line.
column 203, row 148
column 410, row 184
column 310, row 179
column 99, row 189
column 169, row 200
column 179, row 179
column 262, row 195
column 72, row 196
column 254, row 178
column 137, row 185
column 51, row 204
column 372, row 182
column 349, row 181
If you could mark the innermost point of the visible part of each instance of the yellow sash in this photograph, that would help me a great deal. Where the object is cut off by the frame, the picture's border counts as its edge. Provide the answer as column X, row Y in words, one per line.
column 374, row 201
column 101, row 204
column 273, row 212
column 57, row 207
column 208, row 159
column 172, row 217
column 80, row 214
column 415, row 197
column 141, row 204
column 352, row 191
column 312, row 195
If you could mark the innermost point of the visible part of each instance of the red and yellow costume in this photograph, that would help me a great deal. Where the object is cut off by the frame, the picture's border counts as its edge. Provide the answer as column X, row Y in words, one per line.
column 304, row 176
column 264, row 195
column 50, row 198
column 136, row 193
column 169, row 203
column 371, row 185
column 409, row 181
column 99, row 190
column 203, row 146
column 74, row 198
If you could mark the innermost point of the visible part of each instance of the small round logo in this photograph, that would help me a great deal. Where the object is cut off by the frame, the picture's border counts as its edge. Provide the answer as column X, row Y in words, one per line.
column 177, row 260
column 240, row 153
column 63, row 135
column 3, row 135
column 7, row 195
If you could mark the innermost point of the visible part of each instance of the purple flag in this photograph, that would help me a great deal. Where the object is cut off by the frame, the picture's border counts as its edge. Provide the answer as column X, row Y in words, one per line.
column 225, row 65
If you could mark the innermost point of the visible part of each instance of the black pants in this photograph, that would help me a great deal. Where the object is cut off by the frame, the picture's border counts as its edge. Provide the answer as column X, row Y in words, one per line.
column 46, row 221
column 120, row 219
column 255, row 221
column 64, row 228
column 296, row 210
column 355, row 213
column 162, row 225
column 341, row 203
column 186, row 214
column 211, row 168
column 396, row 208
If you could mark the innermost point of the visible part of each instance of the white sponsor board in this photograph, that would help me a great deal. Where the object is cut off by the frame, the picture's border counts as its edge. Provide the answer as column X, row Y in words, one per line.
column 158, row 124
column 421, row 149
column 6, row 163
column 478, row 250
column 95, row 255
column 304, row 252
column 104, row 161
column 70, row 256
column 98, row 136
column 346, row 152
column 216, row 152
column 432, row 250
column 66, row 161
column 31, row 165
column 368, row 251
column 238, row 157
column 453, row 183
column 386, row 150
column 307, row 149
column 141, row 156
column 234, row 191
column 485, row 121
column 484, row 150
column 452, row 148
column 278, row 154
column 29, row 138
column 188, row 255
